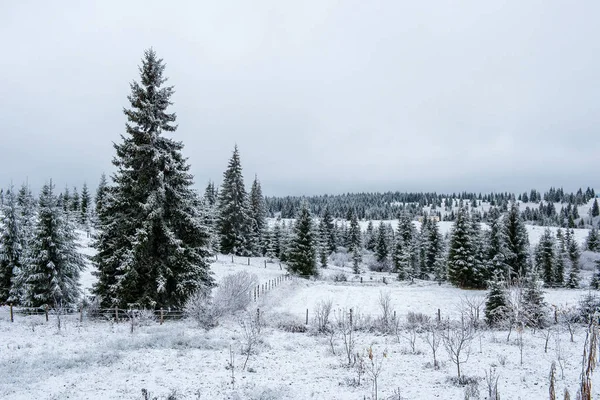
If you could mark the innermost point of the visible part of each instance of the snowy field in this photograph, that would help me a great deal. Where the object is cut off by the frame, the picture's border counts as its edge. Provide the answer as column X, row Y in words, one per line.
column 104, row 360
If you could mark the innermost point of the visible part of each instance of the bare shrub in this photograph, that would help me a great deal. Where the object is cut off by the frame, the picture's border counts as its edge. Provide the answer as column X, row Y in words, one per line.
column 139, row 318
column 418, row 319
column 471, row 308
column 199, row 307
column 491, row 380
column 340, row 277
column 251, row 335
column 322, row 311
column 345, row 326
column 234, row 292
column 569, row 317
column 457, row 341
column 433, row 337
column 387, row 312
column 374, row 367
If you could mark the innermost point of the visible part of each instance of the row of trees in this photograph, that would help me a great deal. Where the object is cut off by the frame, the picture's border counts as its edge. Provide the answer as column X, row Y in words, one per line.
column 388, row 205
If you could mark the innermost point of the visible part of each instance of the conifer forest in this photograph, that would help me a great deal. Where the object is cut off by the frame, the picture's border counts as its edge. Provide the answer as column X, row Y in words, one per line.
column 150, row 282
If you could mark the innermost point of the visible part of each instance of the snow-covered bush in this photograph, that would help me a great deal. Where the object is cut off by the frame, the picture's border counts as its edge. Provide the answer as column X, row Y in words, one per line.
column 233, row 293
column 341, row 258
column 322, row 313
column 340, row 277
column 200, row 308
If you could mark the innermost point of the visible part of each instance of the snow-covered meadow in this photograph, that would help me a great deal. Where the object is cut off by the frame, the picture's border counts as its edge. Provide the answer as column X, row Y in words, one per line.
column 96, row 359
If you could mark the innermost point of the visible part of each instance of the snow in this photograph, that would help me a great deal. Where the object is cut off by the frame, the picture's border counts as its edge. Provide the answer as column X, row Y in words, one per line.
column 104, row 360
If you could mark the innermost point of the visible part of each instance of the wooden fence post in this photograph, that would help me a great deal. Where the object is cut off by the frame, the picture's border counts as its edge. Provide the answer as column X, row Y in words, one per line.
column 258, row 315
column 81, row 314
column 46, row 310
column 116, row 314
column 350, row 318
column 162, row 317
column 307, row 316
column 232, row 258
column 248, row 260
column 439, row 315
column 394, row 315
column 11, row 313
column 361, row 279
column 265, row 263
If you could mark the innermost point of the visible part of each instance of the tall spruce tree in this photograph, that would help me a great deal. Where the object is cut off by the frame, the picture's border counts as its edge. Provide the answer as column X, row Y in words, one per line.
column 327, row 229
column 84, row 213
column 302, row 258
column 11, row 247
column 595, row 210
column 152, row 249
column 370, row 237
column 258, row 213
column 533, row 300
column 210, row 194
column 497, row 249
column 54, row 262
column 234, row 215
column 574, row 254
column 354, row 236
column 462, row 270
column 545, row 258
column 517, row 242
column 101, row 196
column 382, row 251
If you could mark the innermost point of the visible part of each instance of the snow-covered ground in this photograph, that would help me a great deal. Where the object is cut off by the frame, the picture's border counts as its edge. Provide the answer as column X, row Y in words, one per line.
column 104, row 360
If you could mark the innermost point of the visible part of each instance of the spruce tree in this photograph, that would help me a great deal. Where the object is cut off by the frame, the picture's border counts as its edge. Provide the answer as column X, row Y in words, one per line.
column 382, row 251
column 574, row 255
column 258, row 212
column 496, row 305
column 234, row 214
column 152, row 249
column 210, row 194
column 84, row 205
column 356, row 259
column 545, row 258
column 354, row 236
column 435, row 252
column 592, row 242
column 595, row 210
column 75, row 206
column 517, row 242
column 533, row 300
column 11, row 248
column 497, row 249
column 560, row 259
column 327, row 229
column 54, row 263
column 461, row 253
column 303, row 246
column 370, row 237
column 101, row 196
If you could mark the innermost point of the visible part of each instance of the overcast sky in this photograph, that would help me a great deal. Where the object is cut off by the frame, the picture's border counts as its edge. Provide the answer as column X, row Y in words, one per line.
column 321, row 96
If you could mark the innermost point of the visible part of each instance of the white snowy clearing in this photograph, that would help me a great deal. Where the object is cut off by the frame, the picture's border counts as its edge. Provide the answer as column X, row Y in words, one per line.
column 96, row 359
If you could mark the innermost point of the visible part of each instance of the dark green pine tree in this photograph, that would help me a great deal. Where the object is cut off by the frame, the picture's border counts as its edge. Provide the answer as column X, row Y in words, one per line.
column 574, row 254
column 54, row 262
column 592, row 242
column 11, row 247
column 496, row 305
column 423, row 246
column 66, row 200
column 481, row 274
column 370, row 237
column 258, row 212
column 517, row 242
column 461, row 253
column 595, row 210
column 436, row 262
column 101, row 198
column 234, row 215
column 356, row 260
column 84, row 212
column 302, row 257
column 327, row 229
column 545, row 258
column 75, row 206
column 354, row 236
column 401, row 260
column 382, row 251
column 497, row 249
column 533, row 300
column 560, row 259
column 153, row 244
column 210, row 194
